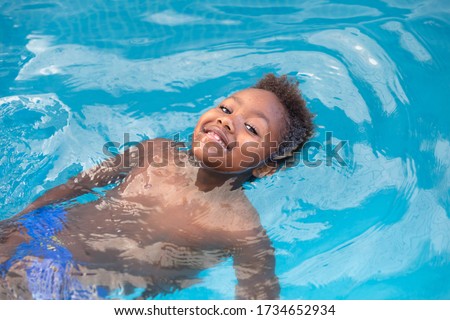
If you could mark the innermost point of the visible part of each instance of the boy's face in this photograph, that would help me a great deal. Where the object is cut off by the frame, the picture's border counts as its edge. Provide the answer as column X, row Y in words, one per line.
column 241, row 132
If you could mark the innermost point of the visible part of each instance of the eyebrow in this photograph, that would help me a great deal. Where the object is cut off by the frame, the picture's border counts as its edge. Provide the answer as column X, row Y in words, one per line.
column 238, row 100
column 256, row 112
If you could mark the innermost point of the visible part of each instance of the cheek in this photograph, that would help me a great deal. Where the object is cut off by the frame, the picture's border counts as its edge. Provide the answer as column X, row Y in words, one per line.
column 205, row 118
column 260, row 145
column 248, row 154
column 208, row 115
column 201, row 121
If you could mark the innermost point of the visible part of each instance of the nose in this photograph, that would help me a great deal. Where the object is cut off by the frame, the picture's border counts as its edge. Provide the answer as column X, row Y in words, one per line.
column 226, row 123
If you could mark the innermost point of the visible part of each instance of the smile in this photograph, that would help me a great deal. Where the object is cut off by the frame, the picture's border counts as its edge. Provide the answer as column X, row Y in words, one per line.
column 216, row 135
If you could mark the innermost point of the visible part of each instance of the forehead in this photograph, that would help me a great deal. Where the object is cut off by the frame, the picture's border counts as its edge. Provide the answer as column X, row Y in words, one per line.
column 261, row 101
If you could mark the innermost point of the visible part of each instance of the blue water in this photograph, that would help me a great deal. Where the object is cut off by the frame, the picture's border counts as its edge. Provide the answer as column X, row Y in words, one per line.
column 75, row 74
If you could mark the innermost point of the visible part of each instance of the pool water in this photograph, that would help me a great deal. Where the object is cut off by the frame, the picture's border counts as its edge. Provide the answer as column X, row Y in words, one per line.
column 76, row 74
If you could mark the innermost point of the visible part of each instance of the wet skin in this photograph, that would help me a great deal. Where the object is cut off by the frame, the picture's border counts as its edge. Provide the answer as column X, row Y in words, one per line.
column 163, row 224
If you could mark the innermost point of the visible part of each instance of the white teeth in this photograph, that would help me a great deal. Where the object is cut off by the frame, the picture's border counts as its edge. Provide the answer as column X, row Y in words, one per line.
column 217, row 138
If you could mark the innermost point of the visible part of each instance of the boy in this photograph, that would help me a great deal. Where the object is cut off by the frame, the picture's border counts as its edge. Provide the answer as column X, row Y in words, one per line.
column 172, row 214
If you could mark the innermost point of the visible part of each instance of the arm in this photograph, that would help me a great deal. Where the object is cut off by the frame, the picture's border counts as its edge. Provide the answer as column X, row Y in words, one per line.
column 109, row 171
column 254, row 264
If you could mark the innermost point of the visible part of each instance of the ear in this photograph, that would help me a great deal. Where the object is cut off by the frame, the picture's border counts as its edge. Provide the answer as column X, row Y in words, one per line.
column 264, row 170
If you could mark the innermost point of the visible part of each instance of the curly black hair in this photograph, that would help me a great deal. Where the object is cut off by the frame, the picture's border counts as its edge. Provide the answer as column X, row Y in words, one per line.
column 300, row 127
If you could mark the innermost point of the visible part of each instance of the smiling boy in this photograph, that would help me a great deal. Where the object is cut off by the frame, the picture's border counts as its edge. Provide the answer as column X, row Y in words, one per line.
column 161, row 225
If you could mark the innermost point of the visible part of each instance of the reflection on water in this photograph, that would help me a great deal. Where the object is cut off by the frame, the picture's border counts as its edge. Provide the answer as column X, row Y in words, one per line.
column 374, row 75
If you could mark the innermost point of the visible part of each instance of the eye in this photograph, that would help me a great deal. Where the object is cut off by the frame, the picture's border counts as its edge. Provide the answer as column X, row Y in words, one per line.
column 251, row 129
column 225, row 109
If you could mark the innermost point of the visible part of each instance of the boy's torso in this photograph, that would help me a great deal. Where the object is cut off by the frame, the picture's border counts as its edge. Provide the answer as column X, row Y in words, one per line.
column 158, row 225
column 157, row 215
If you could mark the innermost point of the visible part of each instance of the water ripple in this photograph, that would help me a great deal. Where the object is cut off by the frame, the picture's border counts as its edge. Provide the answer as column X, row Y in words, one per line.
column 366, row 60
column 366, row 257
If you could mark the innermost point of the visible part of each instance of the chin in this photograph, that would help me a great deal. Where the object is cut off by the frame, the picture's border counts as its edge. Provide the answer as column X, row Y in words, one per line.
column 212, row 161
column 214, row 158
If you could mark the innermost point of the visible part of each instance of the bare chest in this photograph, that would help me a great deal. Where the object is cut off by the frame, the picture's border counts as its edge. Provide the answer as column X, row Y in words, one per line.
column 157, row 206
